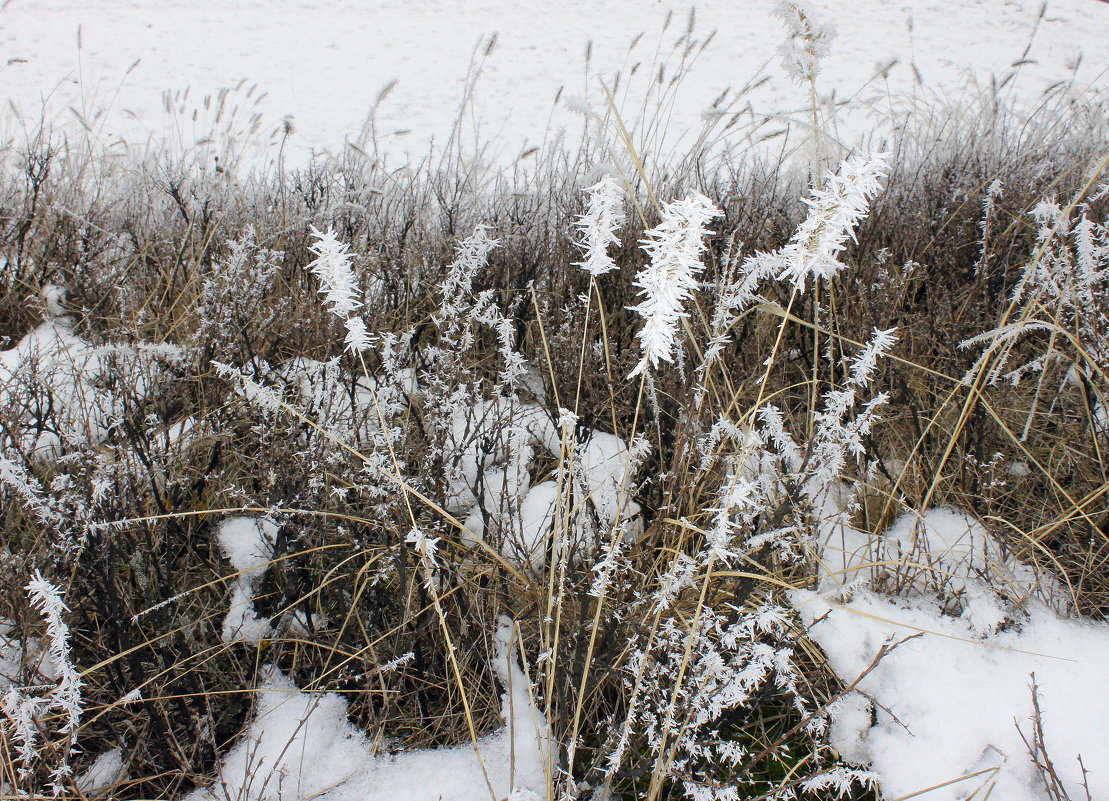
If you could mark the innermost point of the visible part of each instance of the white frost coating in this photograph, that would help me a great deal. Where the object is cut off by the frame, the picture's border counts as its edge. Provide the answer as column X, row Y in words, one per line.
column 302, row 746
column 247, row 542
column 344, row 404
column 949, row 703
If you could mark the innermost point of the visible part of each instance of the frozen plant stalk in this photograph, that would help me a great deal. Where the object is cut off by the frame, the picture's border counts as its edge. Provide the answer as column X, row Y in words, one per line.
column 834, row 211
column 24, row 711
column 339, row 286
column 675, row 248
column 599, row 225
column 809, row 40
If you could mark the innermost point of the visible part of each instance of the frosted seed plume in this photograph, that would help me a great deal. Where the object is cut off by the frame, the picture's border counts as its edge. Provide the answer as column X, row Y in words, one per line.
column 599, row 225
column 834, row 211
column 333, row 267
column 669, row 278
column 808, row 42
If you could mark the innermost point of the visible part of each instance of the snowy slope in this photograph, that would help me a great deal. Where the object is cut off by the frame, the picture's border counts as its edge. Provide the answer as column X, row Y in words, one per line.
column 322, row 64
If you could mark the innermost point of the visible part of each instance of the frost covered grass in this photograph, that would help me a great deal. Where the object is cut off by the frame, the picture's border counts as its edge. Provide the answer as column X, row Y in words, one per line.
column 619, row 476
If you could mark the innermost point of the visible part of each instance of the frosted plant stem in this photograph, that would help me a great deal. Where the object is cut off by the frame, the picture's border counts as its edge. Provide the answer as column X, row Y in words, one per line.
column 599, row 606
column 814, row 391
column 433, row 592
column 662, row 760
column 1039, row 389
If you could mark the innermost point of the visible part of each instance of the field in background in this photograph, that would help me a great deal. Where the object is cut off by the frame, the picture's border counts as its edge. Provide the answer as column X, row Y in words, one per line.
column 168, row 75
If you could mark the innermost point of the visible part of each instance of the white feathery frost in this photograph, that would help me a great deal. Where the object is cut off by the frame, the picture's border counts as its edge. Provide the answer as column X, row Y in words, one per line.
column 333, row 267
column 67, row 695
column 260, row 396
column 675, row 248
column 862, row 367
column 340, row 287
column 809, row 40
column 472, row 256
column 357, row 337
column 600, row 224
column 834, row 211
column 427, row 547
column 458, row 306
column 25, row 709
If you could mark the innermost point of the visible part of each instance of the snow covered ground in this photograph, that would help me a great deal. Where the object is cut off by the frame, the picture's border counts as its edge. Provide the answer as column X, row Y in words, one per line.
column 125, row 66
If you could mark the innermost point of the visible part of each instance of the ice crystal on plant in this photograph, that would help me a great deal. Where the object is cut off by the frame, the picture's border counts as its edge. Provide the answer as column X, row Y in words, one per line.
column 809, row 40
column 674, row 249
column 834, row 211
column 333, row 267
column 599, row 225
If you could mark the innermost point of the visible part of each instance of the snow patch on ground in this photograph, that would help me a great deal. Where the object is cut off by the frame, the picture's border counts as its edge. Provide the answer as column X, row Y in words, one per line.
column 247, row 542
column 495, row 442
column 104, row 773
column 951, row 705
column 129, row 74
column 941, row 664
column 301, row 746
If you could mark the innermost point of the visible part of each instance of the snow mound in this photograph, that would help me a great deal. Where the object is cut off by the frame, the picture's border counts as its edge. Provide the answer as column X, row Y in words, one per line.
column 247, row 542
column 301, row 746
column 15, row 654
column 58, row 390
column 942, row 663
column 951, row 709
column 942, row 552
column 494, row 442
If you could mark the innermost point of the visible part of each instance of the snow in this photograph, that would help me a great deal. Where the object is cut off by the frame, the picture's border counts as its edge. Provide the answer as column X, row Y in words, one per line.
column 301, row 746
column 14, row 654
column 947, row 714
column 120, row 64
column 605, row 467
column 494, row 440
column 942, row 714
column 106, row 771
column 56, row 388
column 492, row 443
column 53, row 369
column 945, row 552
column 951, row 705
column 526, row 537
column 247, row 542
